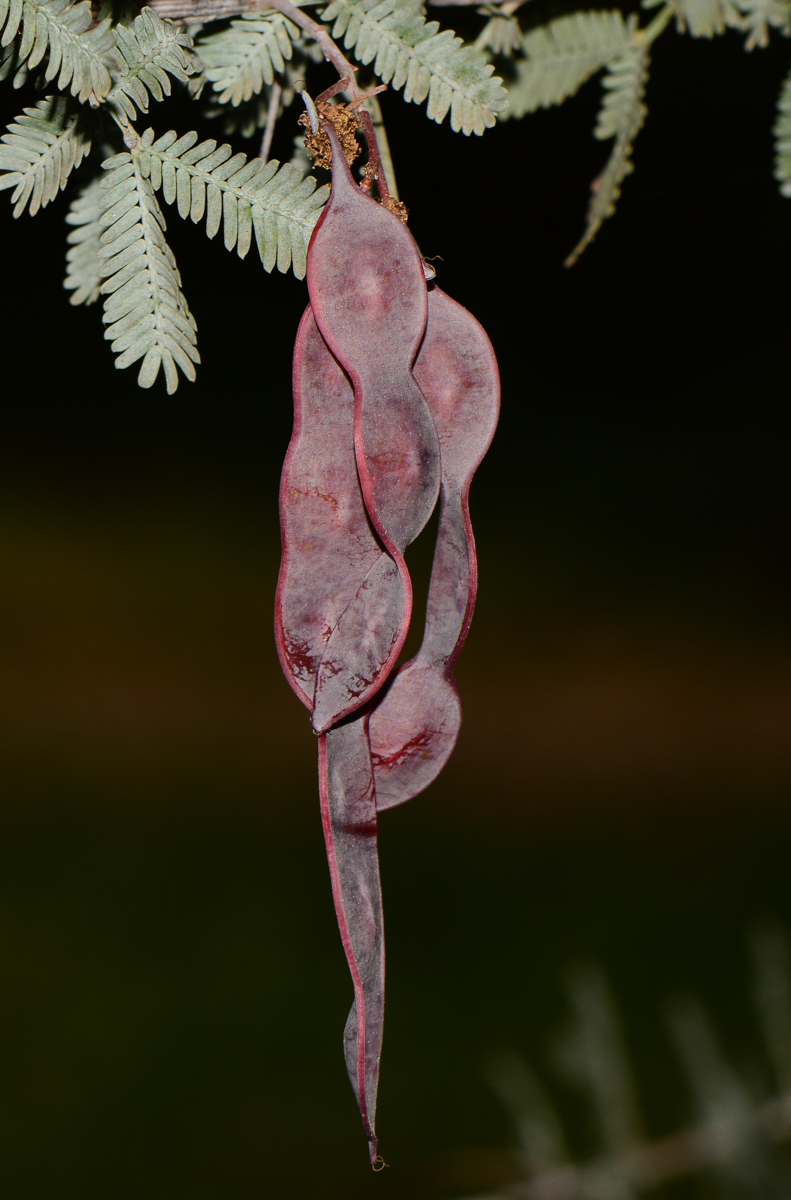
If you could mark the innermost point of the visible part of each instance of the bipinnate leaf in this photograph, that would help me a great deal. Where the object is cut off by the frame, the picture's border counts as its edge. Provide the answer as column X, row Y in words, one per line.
column 703, row 18
column 39, row 150
column 408, row 52
column 10, row 66
column 83, row 264
column 147, row 53
column 78, row 56
column 501, row 34
column 145, row 310
column 621, row 117
column 760, row 16
column 241, row 59
column 561, row 55
column 241, row 195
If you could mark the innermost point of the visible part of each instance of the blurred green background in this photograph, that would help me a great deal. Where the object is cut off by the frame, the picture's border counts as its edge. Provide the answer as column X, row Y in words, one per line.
column 173, row 989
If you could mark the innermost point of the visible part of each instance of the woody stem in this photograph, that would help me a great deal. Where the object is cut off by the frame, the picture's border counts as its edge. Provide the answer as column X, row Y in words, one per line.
column 346, row 71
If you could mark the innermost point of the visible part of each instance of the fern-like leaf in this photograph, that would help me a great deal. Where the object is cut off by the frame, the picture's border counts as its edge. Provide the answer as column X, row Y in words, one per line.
column 148, row 52
column 500, row 34
column 561, row 55
column 703, row 18
column 10, row 65
column 759, row 16
column 246, row 120
column 410, row 53
column 241, row 59
column 39, row 151
column 145, row 310
column 78, row 55
column 782, row 132
column 621, row 116
column 83, row 264
column 243, row 195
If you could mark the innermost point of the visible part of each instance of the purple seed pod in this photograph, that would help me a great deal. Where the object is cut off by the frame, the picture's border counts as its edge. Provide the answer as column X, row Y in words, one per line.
column 348, row 811
column 415, row 720
column 340, row 603
column 360, row 480
column 368, row 293
column 338, row 616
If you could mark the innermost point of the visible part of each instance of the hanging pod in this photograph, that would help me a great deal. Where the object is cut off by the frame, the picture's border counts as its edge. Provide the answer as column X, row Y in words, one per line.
column 396, row 396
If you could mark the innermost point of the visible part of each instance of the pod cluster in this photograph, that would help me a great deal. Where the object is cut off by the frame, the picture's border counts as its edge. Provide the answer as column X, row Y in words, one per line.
column 396, row 398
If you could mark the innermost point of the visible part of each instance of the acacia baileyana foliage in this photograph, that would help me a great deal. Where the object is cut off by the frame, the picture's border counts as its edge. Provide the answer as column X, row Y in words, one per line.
column 240, row 72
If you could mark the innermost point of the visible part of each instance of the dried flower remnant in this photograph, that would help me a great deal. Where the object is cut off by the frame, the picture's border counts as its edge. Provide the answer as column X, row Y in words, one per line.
column 344, row 121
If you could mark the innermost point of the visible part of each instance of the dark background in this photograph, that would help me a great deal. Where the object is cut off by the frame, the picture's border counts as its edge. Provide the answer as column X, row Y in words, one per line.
column 173, row 989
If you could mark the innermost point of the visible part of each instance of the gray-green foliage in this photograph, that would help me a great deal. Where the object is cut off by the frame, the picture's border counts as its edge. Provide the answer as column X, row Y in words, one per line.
column 77, row 55
column 239, row 60
column 116, row 243
column 121, row 64
column 782, row 132
column 593, row 1059
column 758, row 17
column 146, row 54
column 501, row 35
column 621, row 117
column 83, row 265
column 409, row 52
column 243, row 195
column 39, row 151
column 11, row 67
column 704, row 18
column 557, row 58
column 145, row 310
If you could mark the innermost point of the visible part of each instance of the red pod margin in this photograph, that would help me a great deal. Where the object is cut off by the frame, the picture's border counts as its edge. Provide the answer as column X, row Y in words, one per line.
column 415, row 721
column 338, row 616
column 341, row 602
column 368, row 293
column 348, row 813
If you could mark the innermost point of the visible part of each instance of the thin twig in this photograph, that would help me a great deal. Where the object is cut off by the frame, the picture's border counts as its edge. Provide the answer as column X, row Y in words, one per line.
column 346, row 71
column 207, row 10
column 271, row 118
column 383, row 143
column 650, row 1164
column 200, row 11
column 373, row 152
column 331, row 52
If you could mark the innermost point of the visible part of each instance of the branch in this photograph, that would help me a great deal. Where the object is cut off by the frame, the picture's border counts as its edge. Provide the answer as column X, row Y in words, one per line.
column 209, row 10
column 271, row 118
column 215, row 10
column 196, row 11
column 332, row 53
column 385, row 157
column 650, row 1164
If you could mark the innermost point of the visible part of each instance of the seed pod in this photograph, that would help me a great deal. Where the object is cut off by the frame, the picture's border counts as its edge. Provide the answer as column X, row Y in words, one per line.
column 348, row 810
column 360, row 480
column 368, row 294
column 339, row 611
column 340, row 598
column 415, row 720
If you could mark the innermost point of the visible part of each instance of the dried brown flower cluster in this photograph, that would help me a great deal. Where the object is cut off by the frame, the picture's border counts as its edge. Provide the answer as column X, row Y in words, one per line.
column 344, row 121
